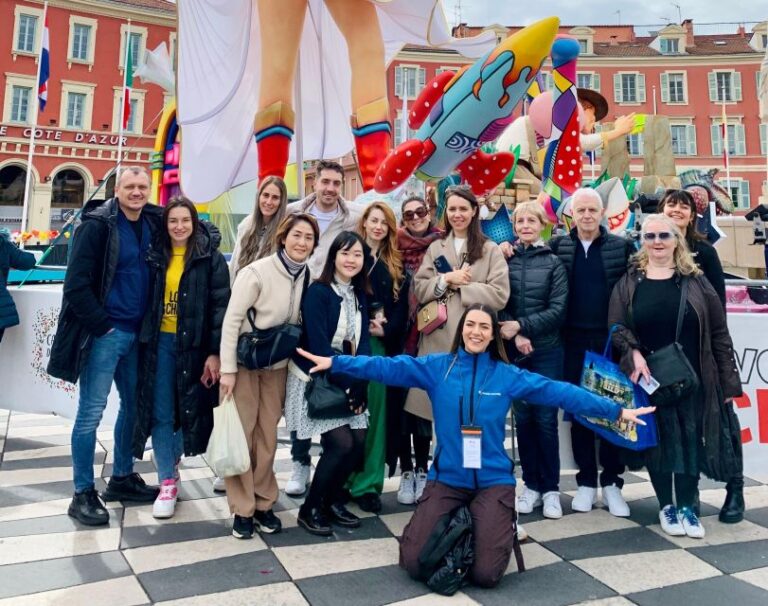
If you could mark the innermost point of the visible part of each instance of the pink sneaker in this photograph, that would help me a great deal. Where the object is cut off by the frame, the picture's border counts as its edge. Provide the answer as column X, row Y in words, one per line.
column 165, row 503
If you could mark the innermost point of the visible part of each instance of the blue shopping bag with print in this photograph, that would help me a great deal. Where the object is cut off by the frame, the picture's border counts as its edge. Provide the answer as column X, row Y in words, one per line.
column 601, row 376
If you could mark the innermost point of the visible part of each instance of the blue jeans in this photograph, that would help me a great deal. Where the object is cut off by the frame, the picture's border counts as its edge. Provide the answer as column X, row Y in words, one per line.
column 113, row 357
column 537, row 427
column 164, row 442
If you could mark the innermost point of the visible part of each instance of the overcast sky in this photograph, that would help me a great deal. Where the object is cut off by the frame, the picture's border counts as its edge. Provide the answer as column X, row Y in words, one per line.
column 603, row 12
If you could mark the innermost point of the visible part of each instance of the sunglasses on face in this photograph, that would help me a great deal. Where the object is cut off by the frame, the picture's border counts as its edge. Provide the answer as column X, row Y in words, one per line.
column 410, row 215
column 662, row 236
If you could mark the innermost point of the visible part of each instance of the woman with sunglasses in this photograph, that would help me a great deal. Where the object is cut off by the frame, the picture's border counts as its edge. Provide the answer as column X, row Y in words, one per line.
column 413, row 239
column 694, row 435
column 461, row 269
column 472, row 386
column 680, row 206
column 387, row 310
column 534, row 315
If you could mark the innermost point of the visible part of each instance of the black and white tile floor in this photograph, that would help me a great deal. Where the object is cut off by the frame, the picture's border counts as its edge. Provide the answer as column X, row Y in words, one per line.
column 47, row 558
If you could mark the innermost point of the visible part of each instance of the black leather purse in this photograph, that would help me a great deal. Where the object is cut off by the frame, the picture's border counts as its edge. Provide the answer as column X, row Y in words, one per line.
column 325, row 399
column 671, row 367
column 262, row 348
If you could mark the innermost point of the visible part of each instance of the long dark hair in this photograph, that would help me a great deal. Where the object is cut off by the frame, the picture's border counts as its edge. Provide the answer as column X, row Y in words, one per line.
column 255, row 244
column 180, row 202
column 475, row 237
column 495, row 347
column 344, row 241
column 680, row 196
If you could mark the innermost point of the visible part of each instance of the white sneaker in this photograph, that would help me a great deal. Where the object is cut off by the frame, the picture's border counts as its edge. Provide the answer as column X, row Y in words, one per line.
column 552, row 508
column 690, row 523
column 165, row 503
column 406, row 494
column 219, row 485
column 615, row 501
column 299, row 481
column 528, row 500
column 586, row 496
column 521, row 534
column 421, row 482
column 670, row 521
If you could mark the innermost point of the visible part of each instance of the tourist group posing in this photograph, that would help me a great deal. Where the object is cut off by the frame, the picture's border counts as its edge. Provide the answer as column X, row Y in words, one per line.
column 424, row 330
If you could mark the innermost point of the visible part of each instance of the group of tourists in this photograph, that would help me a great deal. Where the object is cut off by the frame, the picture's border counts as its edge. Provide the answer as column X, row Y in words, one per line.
column 428, row 331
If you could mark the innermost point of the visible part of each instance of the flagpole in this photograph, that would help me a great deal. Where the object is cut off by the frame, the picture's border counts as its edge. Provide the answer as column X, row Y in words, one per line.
column 121, row 111
column 726, row 151
column 33, row 128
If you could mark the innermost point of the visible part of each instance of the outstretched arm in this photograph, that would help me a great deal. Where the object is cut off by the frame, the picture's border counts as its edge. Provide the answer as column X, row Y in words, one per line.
column 401, row 371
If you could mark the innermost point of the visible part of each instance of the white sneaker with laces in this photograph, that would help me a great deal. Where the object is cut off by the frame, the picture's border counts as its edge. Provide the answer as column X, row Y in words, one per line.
column 670, row 521
column 613, row 498
column 406, row 494
column 528, row 500
column 585, row 498
column 299, row 481
column 421, row 482
column 219, row 485
column 165, row 503
column 552, row 508
column 690, row 523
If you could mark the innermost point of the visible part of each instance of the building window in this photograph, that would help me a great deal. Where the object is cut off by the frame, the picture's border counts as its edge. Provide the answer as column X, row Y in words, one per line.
column 414, row 78
column 75, row 110
column 758, row 81
column 20, row 104
column 131, row 126
column 724, row 86
column 739, row 190
column 138, row 38
column 673, row 89
column 548, row 82
column 12, row 179
column 588, row 80
column 764, row 139
column 68, row 190
column 399, row 130
column 669, row 46
column 25, row 42
column 736, row 142
column 583, row 46
column 80, row 37
column 683, row 139
column 448, row 68
column 629, row 88
column 135, row 123
column 635, row 144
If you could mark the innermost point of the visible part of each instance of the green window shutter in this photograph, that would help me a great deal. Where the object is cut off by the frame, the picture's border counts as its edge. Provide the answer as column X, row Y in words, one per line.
column 691, row 139
column 712, row 79
column 665, row 88
column 617, row 96
column 717, row 140
column 736, row 83
column 640, row 80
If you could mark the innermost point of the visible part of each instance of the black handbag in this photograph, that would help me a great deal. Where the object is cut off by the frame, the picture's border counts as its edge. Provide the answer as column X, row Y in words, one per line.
column 263, row 348
column 325, row 399
column 671, row 367
column 448, row 553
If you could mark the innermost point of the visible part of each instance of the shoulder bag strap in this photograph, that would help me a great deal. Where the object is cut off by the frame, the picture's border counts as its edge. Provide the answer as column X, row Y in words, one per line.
column 681, row 308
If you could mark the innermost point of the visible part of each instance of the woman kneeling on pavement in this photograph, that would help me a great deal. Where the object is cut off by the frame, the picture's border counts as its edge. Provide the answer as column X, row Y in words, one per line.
column 179, row 345
column 695, row 434
column 471, row 387
column 273, row 287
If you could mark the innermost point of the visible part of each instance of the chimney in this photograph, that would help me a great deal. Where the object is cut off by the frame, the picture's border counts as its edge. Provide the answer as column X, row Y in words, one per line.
column 614, row 40
column 688, row 26
column 741, row 31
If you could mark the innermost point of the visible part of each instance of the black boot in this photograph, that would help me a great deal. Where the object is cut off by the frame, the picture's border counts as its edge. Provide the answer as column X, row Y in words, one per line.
column 87, row 508
column 130, row 488
column 733, row 508
column 314, row 521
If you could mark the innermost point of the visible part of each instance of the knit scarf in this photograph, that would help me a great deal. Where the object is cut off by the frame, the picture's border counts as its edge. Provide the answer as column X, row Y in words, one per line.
column 413, row 248
column 292, row 266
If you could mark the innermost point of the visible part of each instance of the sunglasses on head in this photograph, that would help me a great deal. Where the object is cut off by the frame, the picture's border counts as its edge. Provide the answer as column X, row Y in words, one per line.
column 410, row 215
column 662, row 236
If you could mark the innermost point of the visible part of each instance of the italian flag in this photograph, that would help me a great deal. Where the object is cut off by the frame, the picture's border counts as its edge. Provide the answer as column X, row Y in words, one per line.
column 128, row 83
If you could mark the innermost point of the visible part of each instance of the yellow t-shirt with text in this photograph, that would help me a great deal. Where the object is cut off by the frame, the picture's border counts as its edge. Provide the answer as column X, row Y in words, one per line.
column 171, row 298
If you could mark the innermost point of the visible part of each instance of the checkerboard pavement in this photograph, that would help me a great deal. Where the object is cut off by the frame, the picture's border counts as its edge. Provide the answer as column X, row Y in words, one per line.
column 48, row 558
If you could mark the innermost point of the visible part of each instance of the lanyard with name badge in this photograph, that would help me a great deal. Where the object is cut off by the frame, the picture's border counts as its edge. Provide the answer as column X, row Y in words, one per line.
column 472, row 434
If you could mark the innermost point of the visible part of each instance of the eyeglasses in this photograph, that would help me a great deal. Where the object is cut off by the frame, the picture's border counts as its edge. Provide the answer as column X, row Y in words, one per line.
column 410, row 215
column 662, row 236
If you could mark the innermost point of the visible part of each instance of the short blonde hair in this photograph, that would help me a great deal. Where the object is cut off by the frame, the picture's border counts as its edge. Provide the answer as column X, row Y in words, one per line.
column 531, row 207
column 684, row 263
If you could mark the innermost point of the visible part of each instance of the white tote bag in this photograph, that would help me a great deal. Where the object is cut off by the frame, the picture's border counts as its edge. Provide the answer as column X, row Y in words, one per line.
column 227, row 452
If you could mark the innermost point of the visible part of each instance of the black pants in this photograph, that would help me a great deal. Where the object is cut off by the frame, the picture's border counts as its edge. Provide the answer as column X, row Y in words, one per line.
column 343, row 450
column 300, row 449
column 686, row 488
column 583, row 439
column 2, row 332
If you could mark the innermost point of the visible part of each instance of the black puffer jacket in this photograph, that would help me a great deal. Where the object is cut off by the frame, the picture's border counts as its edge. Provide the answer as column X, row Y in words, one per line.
column 538, row 297
column 614, row 250
column 203, row 298
column 10, row 257
column 95, row 249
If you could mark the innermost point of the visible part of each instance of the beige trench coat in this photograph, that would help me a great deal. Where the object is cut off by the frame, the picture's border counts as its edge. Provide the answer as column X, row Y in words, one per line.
column 489, row 286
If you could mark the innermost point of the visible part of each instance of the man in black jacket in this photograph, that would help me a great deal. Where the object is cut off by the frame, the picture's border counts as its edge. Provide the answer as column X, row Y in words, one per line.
column 105, row 297
column 594, row 260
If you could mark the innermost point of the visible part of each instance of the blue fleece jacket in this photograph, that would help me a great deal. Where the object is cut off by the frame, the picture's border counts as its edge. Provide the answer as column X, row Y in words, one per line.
column 468, row 388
